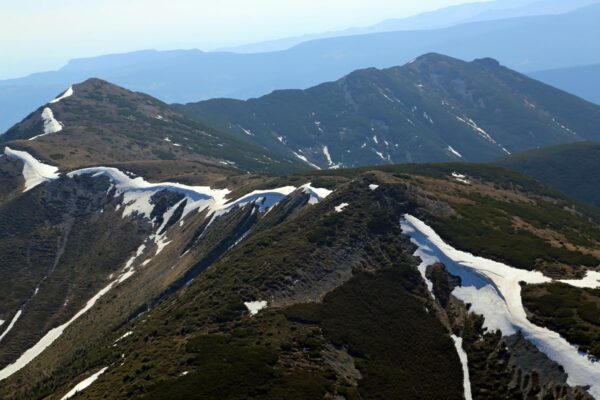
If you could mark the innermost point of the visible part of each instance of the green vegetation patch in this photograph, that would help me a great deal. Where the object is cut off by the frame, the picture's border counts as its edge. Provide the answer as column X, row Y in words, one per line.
column 239, row 366
column 486, row 228
column 572, row 312
column 377, row 317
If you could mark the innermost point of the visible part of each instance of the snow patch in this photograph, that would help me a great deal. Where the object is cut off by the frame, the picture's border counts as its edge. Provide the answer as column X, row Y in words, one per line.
column 316, row 194
column 51, row 125
column 303, row 158
column 327, row 155
column 137, row 192
column 246, row 131
column 125, row 335
column 380, row 154
column 255, row 306
column 341, row 207
column 461, row 178
column 462, row 355
column 68, row 93
column 428, row 118
column 456, row 153
column 591, row 281
column 318, row 125
column 34, row 171
column 84, row 384
column 494, row 291
column 11, row 325
column 373, row 187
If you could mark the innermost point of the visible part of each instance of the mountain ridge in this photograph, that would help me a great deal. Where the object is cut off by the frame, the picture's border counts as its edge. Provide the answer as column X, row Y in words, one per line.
column 96, row 122
column 435, row 108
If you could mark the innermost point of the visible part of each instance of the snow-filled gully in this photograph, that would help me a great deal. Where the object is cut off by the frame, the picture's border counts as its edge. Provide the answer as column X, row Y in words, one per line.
column 493, row 290
column 136, row 200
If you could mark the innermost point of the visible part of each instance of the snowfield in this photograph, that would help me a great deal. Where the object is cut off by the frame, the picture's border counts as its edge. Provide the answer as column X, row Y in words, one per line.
column 34, row 172
column 494, row 291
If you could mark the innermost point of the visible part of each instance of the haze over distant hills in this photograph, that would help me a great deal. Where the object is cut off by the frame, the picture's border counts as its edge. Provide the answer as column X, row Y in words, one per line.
column 583, row 81
column 442, row 18
column 526, row 44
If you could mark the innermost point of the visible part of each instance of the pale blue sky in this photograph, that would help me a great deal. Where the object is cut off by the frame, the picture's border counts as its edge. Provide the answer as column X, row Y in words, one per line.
column 40, row 35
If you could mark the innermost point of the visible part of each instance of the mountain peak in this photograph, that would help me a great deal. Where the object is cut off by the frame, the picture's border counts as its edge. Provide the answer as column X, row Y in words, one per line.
column 487, row 62
column 96, row 122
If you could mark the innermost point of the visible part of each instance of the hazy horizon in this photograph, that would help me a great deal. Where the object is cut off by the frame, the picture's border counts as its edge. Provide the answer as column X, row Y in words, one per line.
column 48, row 42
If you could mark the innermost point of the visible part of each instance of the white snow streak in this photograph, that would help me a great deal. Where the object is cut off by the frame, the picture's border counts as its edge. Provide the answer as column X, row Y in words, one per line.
column 68, row 93
column 462, row 355
column 456, row 153
column 461, row 178
column 84, row 384
column 246, row 131
column 494, row 291
column 51, row 125
column 303, row 158
column 11, row 325
column 591, row 281
column 51, row 336
column 34, row 172
column 125, row 335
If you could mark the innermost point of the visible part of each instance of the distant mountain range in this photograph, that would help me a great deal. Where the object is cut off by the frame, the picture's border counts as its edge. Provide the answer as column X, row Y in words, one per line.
column 525, row 43
column 438, row 19
column 582, row 81
column 436, row 108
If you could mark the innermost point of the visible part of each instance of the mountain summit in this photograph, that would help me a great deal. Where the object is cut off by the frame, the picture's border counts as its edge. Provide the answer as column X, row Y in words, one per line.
column 96, row 122
column 435, row 108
